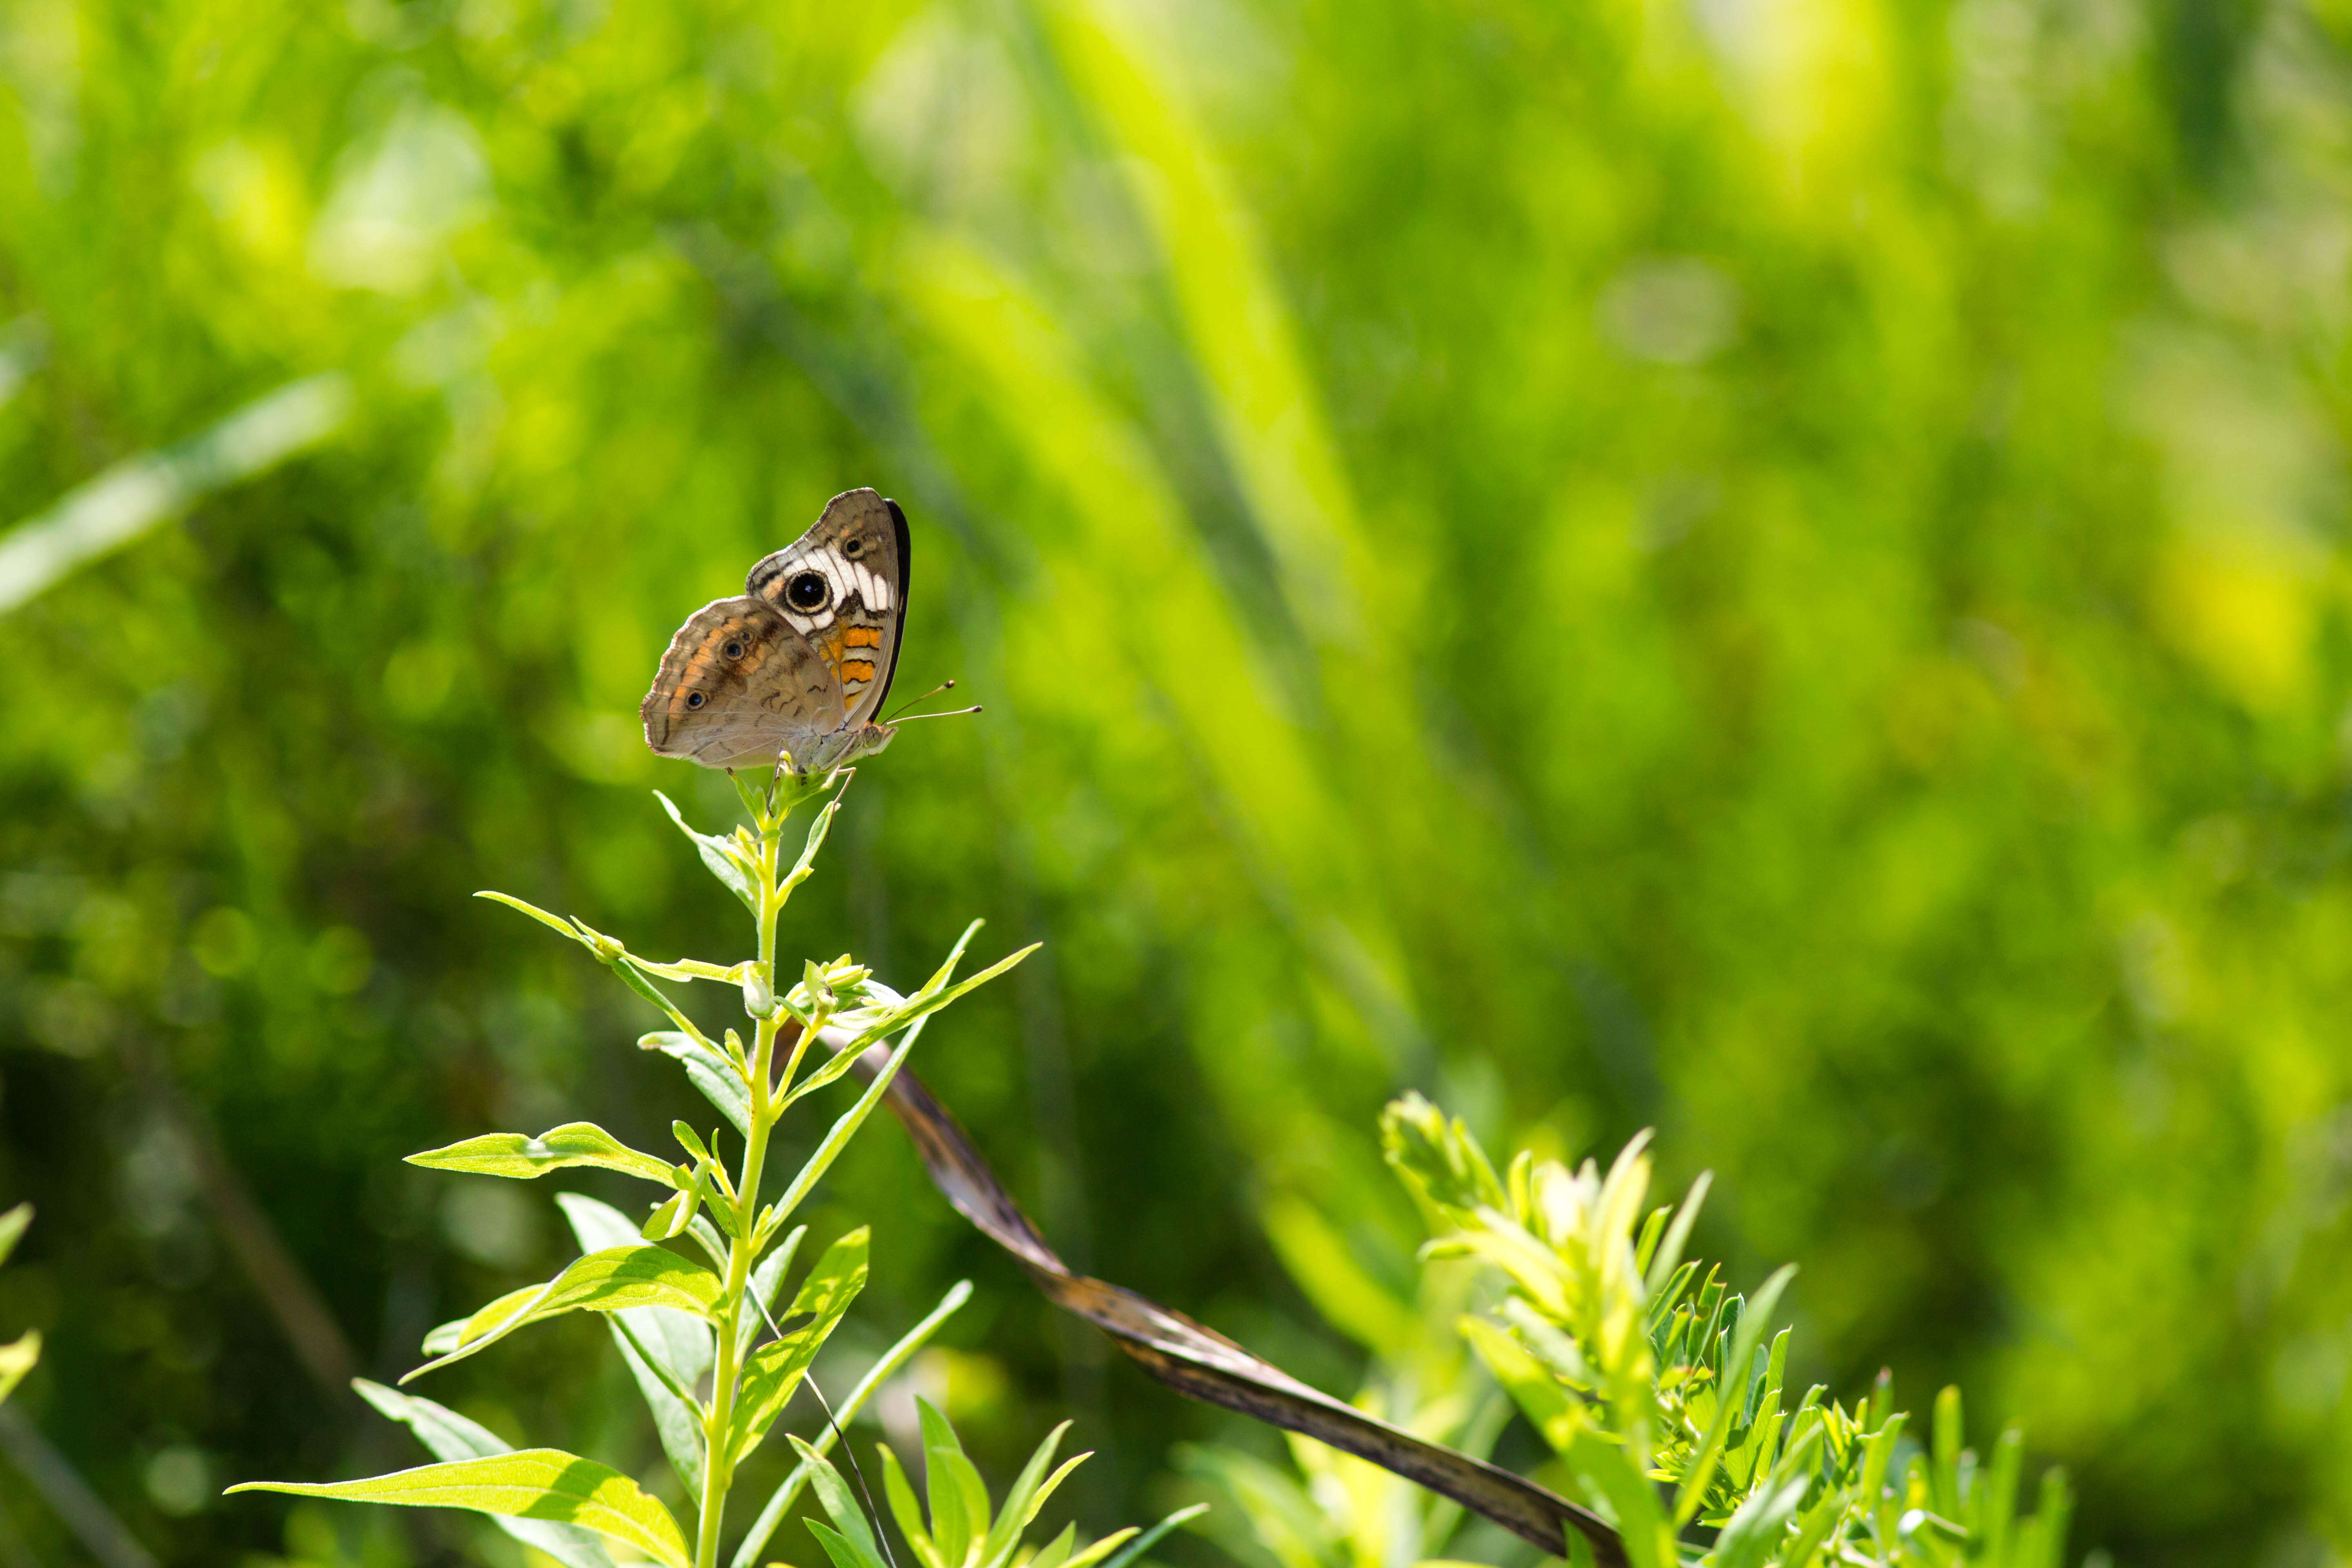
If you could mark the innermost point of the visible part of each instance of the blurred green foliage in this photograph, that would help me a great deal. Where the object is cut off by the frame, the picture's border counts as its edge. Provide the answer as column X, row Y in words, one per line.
column 1772, row 569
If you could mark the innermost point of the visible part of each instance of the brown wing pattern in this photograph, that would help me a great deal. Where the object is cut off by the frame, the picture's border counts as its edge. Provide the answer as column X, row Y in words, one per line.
column 842, row 585
column 737, row 685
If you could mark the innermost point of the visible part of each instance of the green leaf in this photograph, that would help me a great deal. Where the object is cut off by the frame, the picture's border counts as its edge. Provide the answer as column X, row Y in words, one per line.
column 12, row 1228
column 1556, row 1414
column 618, row 1277
column 972, row 1497
column 838, row 1138
column 904, row 1508
column 1761, row 1524
column 1317, row 1257
column 954, row 1524
column 1151, row 1538
column 530, row 1483
column 558, row 1148
column 667, row 1353
column 690, row 1140
column 1439, row 1160
column 1945, row 1473
column 672, row 1216
column 19, row 1357
column 449, row 1436
column 1099, row 1549
column 718, row 854
column 844, row 1551
column 1732, row 1392
column 877, row 1024
column 1669, row 1254
column 755, row 1540
column 1022, row 1501
column 710, row 1072
column 1995, row 1497
column 681, row 1341
column 767, row 1283
column 775, row 1369
column 1278, row 1513
column 450, row 1335
column 1642, row 1525
column 834, row 1493
column 1056, row 1552
column 807, row 862
column 1819, row 1523
column 678, row 1419
column 552, row 922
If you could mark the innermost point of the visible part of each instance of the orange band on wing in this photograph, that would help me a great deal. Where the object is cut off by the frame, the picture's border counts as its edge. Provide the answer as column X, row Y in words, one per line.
column 857, row 669
column 863, row 637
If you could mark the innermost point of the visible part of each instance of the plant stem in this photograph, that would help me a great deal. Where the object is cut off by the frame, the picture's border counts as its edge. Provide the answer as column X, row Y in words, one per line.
column 717, row 1471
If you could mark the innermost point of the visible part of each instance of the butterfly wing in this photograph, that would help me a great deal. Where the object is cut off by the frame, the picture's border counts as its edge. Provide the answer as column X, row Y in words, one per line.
column 843, row 586
column 737, row 685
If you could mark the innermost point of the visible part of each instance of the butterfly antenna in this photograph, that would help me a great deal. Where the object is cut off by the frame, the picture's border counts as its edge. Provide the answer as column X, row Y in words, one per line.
column 842, row 1438
column 945, row 714
column 926, row 697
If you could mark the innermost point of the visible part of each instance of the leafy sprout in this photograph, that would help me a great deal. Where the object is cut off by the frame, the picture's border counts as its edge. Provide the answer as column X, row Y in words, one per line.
column 1644, row 1372
column 690, row 1291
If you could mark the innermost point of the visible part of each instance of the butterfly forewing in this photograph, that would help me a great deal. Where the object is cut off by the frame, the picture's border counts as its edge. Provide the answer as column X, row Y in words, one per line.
column 802, row 662
column 842, row 585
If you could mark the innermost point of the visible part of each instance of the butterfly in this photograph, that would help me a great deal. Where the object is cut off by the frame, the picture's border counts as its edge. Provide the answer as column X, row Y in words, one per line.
column 802, row 661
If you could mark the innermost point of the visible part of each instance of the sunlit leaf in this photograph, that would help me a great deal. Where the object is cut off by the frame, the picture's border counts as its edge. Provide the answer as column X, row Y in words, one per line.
column 775, row 1369
column 449, row 1436
column 529, row 1483
column 559, row 1148
column 604, row 1281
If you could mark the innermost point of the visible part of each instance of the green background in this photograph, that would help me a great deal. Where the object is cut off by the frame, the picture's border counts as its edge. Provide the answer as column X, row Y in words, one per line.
column 1768, row 568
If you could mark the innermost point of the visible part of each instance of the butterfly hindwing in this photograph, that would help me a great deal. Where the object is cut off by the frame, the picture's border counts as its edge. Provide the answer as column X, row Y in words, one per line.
column 737, row 685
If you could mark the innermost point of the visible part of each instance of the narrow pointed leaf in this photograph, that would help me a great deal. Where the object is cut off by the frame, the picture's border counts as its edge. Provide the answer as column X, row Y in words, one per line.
column 1021, row 1502
column 676, row 1422
column 1736, row 1366
column 767, row 1283
column 755, row 1540
column 950, row 1530
column 709, row 1071
column 449, row 1436
column 1099, row 1549
column 529, row 1483
column 12, row 1228
column 1761, row 1524
column 971, row 1495
column 1054, row 1552
column 1669, row 1254
column 717, row 854
column 844, row 1551
column 817, row 830
column 559, row 1148
column 448, row 1336
column 638, row 1276
column 905, row 1509
column 681, row 1341
column 840, row 1505
column 1135, row 1549
column 846, row 1127
column 775, row 1369
column 552, row 922
column 17, row 1357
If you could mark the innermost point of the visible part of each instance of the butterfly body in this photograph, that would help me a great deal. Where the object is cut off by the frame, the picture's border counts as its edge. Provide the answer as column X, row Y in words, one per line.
column 801, row 660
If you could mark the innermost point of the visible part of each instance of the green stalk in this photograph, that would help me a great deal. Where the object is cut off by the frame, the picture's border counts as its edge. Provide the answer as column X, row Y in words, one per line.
column 717, row 1472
